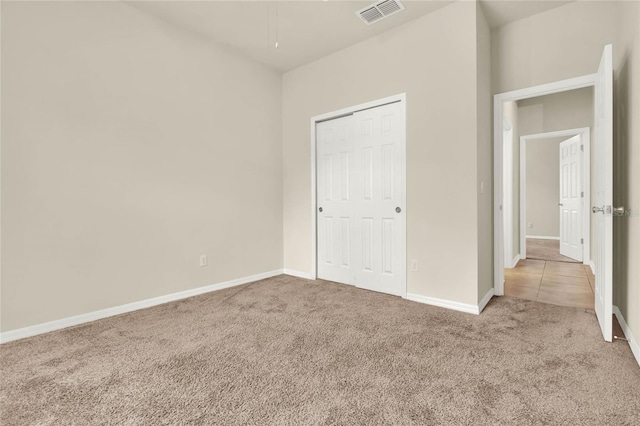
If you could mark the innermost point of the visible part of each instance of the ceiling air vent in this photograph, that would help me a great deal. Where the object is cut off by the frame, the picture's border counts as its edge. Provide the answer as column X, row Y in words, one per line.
column 379, row 11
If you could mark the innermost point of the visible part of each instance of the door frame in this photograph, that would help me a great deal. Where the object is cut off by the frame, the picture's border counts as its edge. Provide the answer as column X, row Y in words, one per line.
column 402, row 98
column 509, row 257
column 585, row 159
column 498, row 184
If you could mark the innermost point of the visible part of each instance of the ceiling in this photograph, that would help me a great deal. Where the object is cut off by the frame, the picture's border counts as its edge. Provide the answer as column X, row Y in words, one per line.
column 306, row 30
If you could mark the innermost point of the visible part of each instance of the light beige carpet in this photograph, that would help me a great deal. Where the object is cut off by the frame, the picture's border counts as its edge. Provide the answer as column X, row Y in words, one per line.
column 287, row 351
column 546, row 250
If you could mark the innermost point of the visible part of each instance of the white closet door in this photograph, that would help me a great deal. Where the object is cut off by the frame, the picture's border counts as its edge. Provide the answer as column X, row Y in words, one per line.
column 379, row 200
column 335, row 162
column 570, row 199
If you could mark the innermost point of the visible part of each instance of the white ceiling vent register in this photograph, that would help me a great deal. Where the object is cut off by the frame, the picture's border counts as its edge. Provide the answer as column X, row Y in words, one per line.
column 379, row 10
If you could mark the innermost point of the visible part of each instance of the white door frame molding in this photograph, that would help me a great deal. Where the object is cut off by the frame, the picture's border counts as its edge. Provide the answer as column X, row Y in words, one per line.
column 509, row 258
column 402, row 98
column 585, row 140
column 498, row 184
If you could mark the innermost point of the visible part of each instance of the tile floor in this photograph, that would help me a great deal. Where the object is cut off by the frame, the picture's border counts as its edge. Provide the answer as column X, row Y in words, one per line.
column 558, row 283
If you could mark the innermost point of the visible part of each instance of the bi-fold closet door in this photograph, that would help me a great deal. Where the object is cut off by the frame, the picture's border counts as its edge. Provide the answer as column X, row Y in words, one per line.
column 361, row 201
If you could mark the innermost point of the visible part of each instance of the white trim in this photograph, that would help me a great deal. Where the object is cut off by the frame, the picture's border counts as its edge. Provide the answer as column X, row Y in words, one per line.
column 558, row 134
column 585, row 141
column 522, row 202
column 498, row 114
column 402, row 98
column 592, row 265
column 46, row 327
column 633, row 343
column 483, row 302
column 314, row 206
column 443, row 303
column 541, row 237
column 403, row 185
column 507, row 202
column 515, row 261
column 549, row 88
column 297, row 274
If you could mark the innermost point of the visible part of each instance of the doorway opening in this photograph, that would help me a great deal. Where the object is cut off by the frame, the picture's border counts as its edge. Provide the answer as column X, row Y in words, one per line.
column 602, row 193
column 555, row 195
column 551, row 192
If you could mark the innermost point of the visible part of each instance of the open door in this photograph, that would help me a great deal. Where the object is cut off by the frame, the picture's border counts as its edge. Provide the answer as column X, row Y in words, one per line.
column 571, row 198
column 603, row 196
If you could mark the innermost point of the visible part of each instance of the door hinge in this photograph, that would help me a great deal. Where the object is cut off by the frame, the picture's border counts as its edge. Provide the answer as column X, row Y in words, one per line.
column 581, row 240
column 582, row 194
column 582, row 148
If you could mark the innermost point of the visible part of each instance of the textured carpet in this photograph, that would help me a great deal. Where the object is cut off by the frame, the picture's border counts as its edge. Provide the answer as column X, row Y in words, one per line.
column 288, row 351
column 546, row 250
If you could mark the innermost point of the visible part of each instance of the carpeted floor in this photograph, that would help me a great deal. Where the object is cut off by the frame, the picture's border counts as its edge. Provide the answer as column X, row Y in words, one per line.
column 288, row 351
column 546, row 250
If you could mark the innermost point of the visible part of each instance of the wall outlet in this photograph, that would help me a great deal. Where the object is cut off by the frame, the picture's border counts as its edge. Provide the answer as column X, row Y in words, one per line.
column 203, row 260
column 530, row 226
column 414, row 265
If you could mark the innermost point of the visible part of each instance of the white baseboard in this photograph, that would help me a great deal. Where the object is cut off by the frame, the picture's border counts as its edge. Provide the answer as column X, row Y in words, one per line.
column 443, row 303
column 46, row 327
column 298, row 274
column 633, row 343
column 515, row 261
column 485, row 300
column 591, row 265
column 542, row 237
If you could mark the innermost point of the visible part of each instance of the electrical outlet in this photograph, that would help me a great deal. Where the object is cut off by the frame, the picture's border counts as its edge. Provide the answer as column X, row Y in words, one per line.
column 203, row 260
column 414, row 265
column 530, row 226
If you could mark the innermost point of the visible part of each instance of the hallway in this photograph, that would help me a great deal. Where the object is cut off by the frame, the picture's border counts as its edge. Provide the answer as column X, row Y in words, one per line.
column 558, row 283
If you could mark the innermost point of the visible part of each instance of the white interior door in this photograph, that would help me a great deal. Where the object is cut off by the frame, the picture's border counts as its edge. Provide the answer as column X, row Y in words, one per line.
column 380, row 205
column 335, row 163
column 603, row 193
column 570, row 198
column 361, row 228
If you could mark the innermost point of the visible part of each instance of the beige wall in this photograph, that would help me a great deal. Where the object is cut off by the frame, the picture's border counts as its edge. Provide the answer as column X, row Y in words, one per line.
column 532, row 116
column 485, row 155
column 564, row 42
column 129, row 149
column 433, row 60
column 560, row 111
column 626, row 179
column 543, row 187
